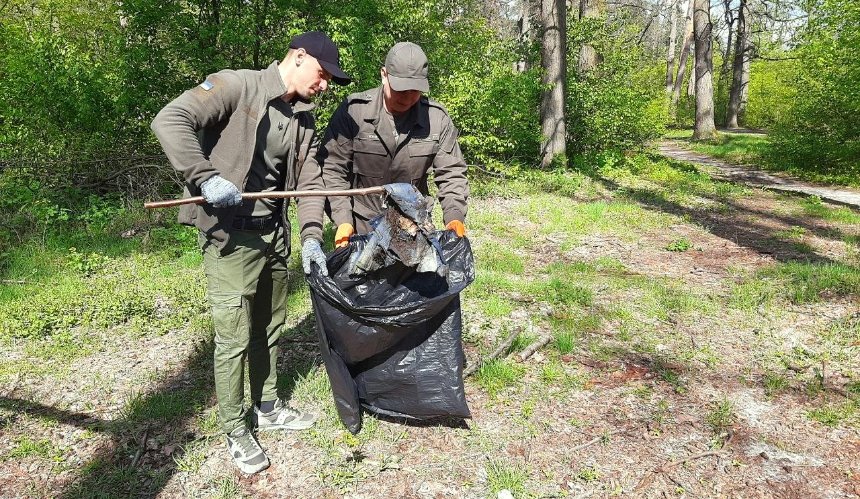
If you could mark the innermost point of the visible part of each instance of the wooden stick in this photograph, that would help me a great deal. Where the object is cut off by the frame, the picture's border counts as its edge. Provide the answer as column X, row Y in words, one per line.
column 141, row 449
column 534, row 347
column 597, row 439
column 270, row 195
column 503, row 347
column 669, row 466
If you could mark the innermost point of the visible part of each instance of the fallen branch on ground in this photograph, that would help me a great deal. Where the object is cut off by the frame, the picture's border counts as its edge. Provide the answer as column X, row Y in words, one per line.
column 534, row 347
column 503, row 347
column 141, row 449
column 646, row 481
column 594, row 440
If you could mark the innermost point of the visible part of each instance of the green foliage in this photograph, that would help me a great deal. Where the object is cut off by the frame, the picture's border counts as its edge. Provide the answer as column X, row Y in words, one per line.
column 771, row 92
column 621, row 103
column 679, row 245
column 821, row 130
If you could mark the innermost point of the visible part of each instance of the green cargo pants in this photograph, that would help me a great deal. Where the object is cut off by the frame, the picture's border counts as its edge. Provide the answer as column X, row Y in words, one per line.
column 247, row 288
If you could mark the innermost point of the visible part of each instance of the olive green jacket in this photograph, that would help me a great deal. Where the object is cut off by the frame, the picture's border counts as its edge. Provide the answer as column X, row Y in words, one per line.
column 360, row 150
column 212, row 130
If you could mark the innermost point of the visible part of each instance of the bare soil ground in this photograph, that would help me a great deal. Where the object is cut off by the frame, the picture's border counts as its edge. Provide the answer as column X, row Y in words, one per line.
column 707, row 400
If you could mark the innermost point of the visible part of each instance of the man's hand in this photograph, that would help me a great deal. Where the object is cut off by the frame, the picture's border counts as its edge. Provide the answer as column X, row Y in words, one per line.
column 220, row 192
column 341, row 237
column 457, row 226
column 311, row 252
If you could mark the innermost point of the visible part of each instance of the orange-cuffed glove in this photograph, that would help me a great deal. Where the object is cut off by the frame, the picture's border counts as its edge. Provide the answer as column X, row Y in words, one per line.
column 457, row 226
column 341, row 237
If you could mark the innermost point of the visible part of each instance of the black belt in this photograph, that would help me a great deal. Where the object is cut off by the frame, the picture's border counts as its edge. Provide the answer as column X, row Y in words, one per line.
column 255, row 223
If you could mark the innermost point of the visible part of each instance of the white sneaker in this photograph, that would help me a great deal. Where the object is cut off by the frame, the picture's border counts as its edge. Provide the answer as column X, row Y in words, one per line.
column 283, row 417
column 245, row 451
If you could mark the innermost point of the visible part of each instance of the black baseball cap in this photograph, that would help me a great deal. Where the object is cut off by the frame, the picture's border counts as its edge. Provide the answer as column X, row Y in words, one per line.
column 320, row 46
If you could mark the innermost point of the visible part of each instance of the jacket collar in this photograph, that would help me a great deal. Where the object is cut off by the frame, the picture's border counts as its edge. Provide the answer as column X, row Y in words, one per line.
column 417, row 116
column 274, row 87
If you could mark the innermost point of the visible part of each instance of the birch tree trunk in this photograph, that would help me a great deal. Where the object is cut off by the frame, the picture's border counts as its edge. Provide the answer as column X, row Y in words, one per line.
column 704, row 127
column 670, row 53
column 740, row 77
column 553, row 55
column 588, row 56
column 691, row 83
column 682, row 59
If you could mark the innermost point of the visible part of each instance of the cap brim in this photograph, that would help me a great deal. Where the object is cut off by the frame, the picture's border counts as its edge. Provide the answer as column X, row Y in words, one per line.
column 399, row 84
column 337, row 75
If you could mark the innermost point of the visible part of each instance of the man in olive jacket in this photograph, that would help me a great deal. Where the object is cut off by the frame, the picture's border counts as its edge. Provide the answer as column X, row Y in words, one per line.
column 392, row 133
column 250, row 131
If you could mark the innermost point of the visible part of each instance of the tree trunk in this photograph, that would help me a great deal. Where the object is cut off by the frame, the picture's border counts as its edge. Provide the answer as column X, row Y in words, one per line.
column 730, row 22
column 741, row 59
column 524, row 29
column 553, row 51
column 670, row 53
column 691, row 83
column 704, row 127
column 588, row 56
column 748, row 55
column 682, row 59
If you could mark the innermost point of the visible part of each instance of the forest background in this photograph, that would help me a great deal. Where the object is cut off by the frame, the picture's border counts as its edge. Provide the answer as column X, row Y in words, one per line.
column 81, row 80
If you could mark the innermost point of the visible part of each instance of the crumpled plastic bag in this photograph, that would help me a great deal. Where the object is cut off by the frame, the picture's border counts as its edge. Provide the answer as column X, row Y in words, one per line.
column 391, row 340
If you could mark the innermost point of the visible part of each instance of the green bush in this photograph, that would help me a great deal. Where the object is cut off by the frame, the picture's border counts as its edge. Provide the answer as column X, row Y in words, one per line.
column 821, row 131
column 619, row 105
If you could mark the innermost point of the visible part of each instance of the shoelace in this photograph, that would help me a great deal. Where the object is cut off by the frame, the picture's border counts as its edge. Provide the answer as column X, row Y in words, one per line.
column 287, row 412
column 246, row 442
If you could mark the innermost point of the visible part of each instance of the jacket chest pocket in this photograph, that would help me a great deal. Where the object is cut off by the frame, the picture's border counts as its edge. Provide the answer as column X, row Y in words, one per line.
column 370, row 157
column 420, row 156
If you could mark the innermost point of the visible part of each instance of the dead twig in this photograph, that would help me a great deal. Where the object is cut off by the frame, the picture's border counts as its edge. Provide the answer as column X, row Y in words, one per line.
column 646, row 481
column 670, row 466
column 601, row 438
column 141, row 449
column 534, row 347
column 503, row 347
column 12, row 281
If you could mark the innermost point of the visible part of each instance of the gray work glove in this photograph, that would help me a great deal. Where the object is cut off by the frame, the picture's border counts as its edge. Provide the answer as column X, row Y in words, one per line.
column 220, row 192
column 311, row 252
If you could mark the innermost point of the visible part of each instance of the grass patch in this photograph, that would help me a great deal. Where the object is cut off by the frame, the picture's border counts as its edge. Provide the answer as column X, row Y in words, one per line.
column 499, row 259
column 26, row 447
column 497, row 374
column 495, row 306
column 796, row 282
column 505, row 476
column 721, row 416
column 774, row 383
column 679, row 245
column 735, row 147
column 845, row 414
column 166, row 406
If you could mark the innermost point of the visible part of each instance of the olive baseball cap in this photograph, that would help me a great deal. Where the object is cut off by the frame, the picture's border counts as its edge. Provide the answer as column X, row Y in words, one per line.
column 406, row 65
column 320, row 46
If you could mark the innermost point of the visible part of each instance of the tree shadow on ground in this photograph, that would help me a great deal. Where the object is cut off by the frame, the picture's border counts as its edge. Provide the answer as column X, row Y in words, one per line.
column 757, row 236
column 148, row 436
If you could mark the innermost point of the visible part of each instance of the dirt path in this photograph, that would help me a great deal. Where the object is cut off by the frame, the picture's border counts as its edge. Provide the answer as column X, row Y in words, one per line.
column 757, row 178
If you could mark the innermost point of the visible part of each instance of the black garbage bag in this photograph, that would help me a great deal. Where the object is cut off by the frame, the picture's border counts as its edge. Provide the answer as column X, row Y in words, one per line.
column 391, row 339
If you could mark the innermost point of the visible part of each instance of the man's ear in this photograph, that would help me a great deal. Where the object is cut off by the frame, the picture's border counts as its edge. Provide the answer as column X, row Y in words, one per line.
column 300, row 56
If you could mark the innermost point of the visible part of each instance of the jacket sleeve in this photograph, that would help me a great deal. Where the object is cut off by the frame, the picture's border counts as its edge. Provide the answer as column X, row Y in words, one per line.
column 450, row 174
column 310, row 210
column 177, row 125
column 334, row 157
